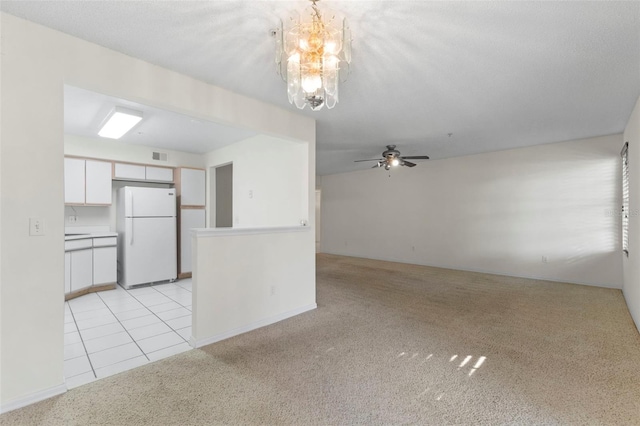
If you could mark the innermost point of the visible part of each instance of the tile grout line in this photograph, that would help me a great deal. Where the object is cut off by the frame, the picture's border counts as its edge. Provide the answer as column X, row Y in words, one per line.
column 104, row 305
column 125, row 328
column 156, row 315
column 86, row 352
column 175, row 301
column 118, row 321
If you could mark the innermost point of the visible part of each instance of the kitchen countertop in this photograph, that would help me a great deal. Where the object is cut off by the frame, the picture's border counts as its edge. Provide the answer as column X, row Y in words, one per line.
column 71, row 237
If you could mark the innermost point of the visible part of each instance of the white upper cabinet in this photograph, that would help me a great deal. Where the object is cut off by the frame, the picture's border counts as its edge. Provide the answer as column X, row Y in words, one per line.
column 162, row 174
column 74, row 181
column 98, row 182
column 192, row 187
column 129, row 171
column 87, row 182
column 137, row 172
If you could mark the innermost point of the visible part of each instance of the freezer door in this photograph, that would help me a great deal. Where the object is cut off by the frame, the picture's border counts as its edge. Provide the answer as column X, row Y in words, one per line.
column 150, row 202
column 149, row 250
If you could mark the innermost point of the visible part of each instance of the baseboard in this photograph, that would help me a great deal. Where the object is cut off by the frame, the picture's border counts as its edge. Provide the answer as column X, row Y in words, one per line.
column 92, row 289
column 33, row 398
column 252, row 326
column 481, row 271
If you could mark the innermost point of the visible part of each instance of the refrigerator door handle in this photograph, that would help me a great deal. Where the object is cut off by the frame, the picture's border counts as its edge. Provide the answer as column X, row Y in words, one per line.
column 130, row 231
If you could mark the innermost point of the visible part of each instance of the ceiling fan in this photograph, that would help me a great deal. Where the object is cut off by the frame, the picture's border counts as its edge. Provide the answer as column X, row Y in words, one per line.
column 391, row 158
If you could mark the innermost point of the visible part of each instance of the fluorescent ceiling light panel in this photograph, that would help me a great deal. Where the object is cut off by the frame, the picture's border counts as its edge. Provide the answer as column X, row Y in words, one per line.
column 119, row 122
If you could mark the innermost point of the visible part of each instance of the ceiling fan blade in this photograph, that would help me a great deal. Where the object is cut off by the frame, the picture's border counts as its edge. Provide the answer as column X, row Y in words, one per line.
column 416, row 157
column 408, row 164
column 374, row 159
column 375, row 166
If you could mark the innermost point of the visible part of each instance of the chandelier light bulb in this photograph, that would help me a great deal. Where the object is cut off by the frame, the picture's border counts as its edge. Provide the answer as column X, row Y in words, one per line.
column 311, row 83
column 395, row 162
column 313, row 51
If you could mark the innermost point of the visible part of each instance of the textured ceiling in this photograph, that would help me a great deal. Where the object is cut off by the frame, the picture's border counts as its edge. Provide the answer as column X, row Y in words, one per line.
column 496, row 75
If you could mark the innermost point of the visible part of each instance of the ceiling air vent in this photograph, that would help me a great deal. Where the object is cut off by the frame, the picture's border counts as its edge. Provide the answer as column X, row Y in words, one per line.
column 160, row 156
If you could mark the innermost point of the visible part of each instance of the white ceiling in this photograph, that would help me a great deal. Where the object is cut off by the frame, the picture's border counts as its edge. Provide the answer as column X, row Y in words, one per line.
column 85, row 112
column 497, row 75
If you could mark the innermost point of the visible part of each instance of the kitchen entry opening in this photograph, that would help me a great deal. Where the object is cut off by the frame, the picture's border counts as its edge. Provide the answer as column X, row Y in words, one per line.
column 221, row 184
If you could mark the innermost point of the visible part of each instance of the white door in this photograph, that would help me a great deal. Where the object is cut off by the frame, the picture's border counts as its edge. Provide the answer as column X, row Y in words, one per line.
column 98, row 178
column 162, row 174
column 150, row 250
column 192, row 184
column 73, row 181
column 81, row 269
column 189, row 218
column 104, row 265
column 129, row 171
column 150, row 202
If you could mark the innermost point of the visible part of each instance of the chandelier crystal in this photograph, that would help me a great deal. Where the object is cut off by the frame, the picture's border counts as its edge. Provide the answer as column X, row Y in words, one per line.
column 313, row 53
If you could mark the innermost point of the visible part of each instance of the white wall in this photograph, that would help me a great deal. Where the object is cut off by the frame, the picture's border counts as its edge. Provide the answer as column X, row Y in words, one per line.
column 498, row 212
column 631, row 265
column 271, row 183
column 245, row 279
column 36, row 63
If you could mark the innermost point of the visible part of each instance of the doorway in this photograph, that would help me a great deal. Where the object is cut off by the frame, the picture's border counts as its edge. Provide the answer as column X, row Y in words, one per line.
column 221, row 195
column 318, row 210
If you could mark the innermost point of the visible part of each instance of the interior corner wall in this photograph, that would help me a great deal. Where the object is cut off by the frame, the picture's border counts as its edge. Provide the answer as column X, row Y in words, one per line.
column 498, row 212
column 272, row 181
column 631, row 264
column 36, row 63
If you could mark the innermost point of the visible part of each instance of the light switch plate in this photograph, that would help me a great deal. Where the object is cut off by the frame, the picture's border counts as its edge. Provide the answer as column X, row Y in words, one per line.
column 36, row 227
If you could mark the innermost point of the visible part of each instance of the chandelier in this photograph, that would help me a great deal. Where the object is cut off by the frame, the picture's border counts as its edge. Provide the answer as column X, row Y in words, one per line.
column 313, row 53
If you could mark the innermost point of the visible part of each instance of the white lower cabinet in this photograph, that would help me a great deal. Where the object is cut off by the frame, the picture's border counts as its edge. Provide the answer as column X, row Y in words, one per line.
column 89, row 262
column 104, row 265
column 81, row 269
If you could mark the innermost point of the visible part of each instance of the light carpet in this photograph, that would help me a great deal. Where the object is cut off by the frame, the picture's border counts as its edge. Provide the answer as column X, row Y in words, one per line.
column 392, row 343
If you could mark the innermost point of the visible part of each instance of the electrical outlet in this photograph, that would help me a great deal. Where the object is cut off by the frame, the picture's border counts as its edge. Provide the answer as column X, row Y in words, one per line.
column 251, row 193
column 72, row 219
column 273, row 290
column 36, row 227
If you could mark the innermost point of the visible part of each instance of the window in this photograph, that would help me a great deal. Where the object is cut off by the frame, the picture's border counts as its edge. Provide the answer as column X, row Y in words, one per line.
column 625, row 198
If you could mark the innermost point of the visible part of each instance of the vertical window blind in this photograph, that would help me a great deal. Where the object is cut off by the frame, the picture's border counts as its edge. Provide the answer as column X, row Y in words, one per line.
column 625, row 198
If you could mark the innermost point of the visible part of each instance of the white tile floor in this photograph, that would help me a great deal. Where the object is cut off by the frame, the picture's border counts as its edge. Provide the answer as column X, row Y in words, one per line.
column 113, row 331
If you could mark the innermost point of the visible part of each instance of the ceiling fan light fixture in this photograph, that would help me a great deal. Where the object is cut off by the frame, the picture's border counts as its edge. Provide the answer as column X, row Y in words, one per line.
column 391, row 157
column 313, row 54
column 119, row 121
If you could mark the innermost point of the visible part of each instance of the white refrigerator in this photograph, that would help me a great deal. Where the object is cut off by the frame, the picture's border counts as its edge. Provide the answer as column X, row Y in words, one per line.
column 147, row 245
